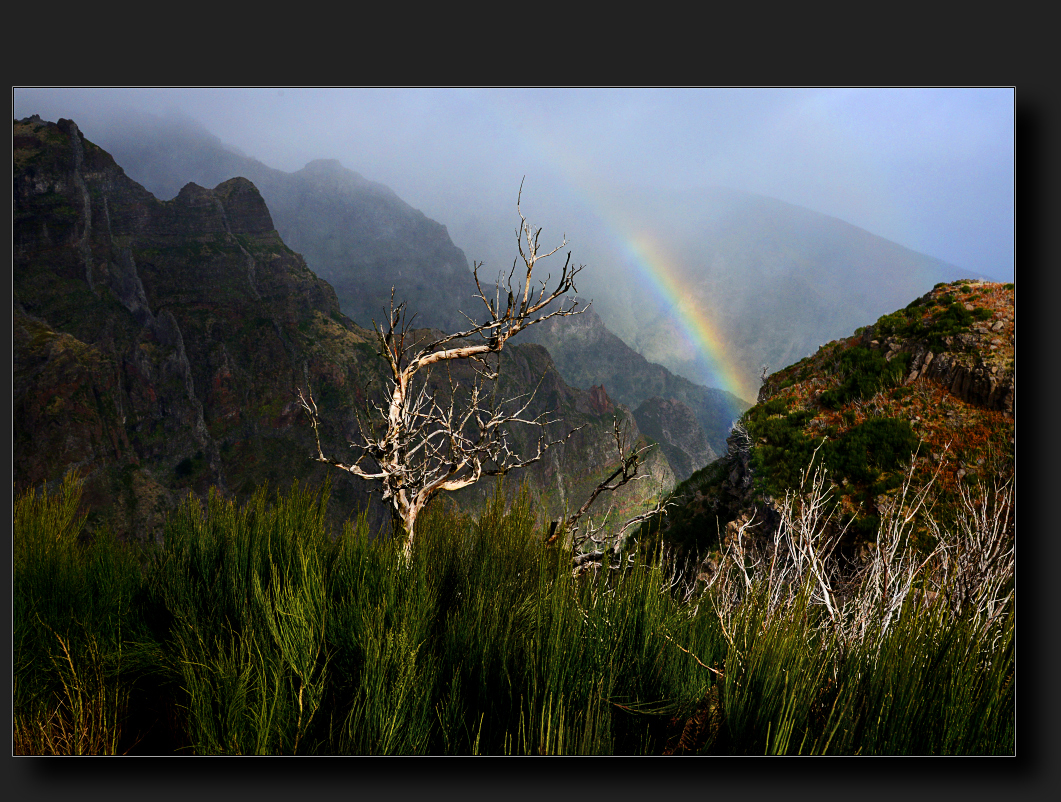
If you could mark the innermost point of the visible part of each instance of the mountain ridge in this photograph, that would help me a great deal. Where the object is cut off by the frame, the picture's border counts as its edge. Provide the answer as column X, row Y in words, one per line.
column 159, row 347
column 356, row 233
column 334, row 216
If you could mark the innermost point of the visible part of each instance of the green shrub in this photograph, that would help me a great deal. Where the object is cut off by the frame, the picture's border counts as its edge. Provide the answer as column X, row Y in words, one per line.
column 901, row 393
column 953, row 319
column 895, row 323
column 864, row 371
column 876, row 446
column 74, row 609
column 781, row 446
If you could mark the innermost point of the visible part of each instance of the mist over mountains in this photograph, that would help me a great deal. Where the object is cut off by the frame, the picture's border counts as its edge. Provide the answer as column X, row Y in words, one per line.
column 160, row 348
column 768, row 281
column 361, row 238
column 160, row 345
column 772, row 280
column 352, row 231
column 587, row 353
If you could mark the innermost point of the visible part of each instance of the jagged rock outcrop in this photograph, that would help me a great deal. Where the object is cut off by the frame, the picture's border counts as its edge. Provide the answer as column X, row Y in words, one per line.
column 599, row 401
column 973, row 383
column 673, row 425
column 974, row 364
column 159, row 347
column 356, row 234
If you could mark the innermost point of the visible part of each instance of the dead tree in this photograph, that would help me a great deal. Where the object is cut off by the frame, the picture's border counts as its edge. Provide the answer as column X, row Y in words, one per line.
column 424, row 445
column 630, row 462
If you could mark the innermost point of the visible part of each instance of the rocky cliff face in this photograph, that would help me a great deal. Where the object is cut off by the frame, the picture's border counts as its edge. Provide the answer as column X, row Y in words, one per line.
column 159, row 347
column 356, row 234
column 156, row 343
column 960, row 336
column 975, row 366
column 672, row 424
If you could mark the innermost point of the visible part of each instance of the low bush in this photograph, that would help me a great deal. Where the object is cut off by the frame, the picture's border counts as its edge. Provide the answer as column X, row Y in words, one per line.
column 948, row 317
column 254, row 632
column 861, row 454
column 863, row 372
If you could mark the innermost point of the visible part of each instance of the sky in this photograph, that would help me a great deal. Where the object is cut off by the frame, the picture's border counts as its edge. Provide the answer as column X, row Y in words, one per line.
column 930, row 169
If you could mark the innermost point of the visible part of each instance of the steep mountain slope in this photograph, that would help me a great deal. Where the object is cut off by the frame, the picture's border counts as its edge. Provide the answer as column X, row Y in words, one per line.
column 929, row 387
column 159, row 347
column 772, row 280
column 587, row 353
column 672, row 424
column 361, row 238
column 356, row 234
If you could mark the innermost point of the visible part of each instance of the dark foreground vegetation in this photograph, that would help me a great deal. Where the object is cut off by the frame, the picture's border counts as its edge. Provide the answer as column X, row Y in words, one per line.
column 253, row 631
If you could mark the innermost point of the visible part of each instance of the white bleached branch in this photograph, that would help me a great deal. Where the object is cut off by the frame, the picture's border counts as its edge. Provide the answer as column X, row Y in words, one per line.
column 428, row 445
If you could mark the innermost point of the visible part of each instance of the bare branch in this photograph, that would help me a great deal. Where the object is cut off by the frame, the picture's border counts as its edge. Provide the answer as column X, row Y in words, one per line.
column 629, row 464
column 423, row 445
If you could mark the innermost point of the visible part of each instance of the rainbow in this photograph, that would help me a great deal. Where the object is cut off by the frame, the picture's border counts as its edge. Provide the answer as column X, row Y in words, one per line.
column 647, row 254
column 653, row 262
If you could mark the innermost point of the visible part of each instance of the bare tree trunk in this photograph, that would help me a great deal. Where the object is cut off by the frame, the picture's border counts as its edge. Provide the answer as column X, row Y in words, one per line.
column 408, row 523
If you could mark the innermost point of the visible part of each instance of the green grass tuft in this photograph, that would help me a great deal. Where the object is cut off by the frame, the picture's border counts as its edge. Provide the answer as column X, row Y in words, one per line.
column 252, row 631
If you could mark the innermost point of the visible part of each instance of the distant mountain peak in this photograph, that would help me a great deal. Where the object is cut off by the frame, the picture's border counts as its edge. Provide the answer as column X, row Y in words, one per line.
column 191, row 190
column 355, row 233
column 324, row 166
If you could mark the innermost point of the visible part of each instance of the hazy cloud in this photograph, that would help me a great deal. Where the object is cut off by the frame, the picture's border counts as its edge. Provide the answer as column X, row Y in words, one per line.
column 931, row 169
